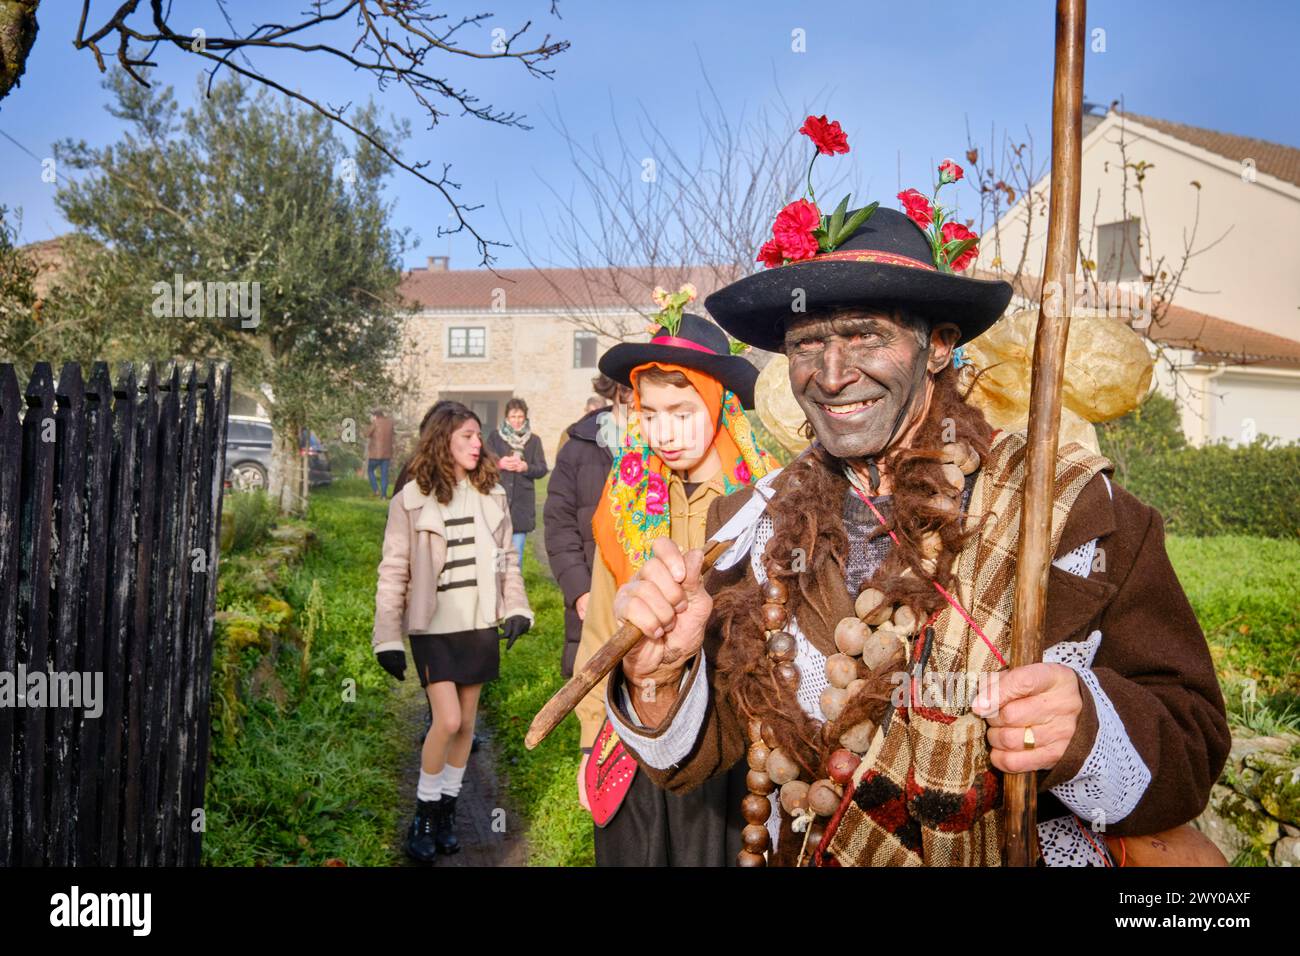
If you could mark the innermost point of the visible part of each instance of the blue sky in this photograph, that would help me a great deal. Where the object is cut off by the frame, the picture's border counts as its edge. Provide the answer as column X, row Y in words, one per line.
column 903, row 79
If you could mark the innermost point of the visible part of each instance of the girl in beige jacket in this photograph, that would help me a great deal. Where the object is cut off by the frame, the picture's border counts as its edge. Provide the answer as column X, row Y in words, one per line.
column 448, row 578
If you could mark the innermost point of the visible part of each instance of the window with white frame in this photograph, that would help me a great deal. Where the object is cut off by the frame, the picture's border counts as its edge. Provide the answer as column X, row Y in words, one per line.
column 467, row 341
column 1117, row 251
column 584, row 349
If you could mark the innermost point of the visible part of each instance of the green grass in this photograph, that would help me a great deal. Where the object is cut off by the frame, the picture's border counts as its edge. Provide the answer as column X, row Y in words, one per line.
column 1244, row 593
column 542, row 782
column 318, row 779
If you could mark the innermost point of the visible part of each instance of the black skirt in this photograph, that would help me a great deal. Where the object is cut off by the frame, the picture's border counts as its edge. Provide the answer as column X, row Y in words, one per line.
column 464, row 657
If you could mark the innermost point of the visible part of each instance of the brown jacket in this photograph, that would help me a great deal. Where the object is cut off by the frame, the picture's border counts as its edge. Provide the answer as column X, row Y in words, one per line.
column 689, row 514
column 415, row 547
column 379, row 438
column 1153, row 662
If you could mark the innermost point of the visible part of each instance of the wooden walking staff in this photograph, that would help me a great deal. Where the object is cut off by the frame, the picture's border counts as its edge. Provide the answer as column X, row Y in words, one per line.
column 601, row 663
column 1020, row 846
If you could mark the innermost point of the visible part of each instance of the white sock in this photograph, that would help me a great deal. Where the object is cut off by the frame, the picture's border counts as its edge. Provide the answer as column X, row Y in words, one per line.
column 431, row 785
column 451, row 779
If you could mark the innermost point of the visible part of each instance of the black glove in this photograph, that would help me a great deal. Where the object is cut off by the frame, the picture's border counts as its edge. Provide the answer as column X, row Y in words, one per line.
column 513, row 628
column 394, row 662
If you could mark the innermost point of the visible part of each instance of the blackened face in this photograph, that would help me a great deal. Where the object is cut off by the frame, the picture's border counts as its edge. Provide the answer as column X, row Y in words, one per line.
column 852, row 372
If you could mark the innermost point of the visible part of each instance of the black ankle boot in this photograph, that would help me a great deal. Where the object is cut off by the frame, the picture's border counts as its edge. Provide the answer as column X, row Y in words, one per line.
column 445, row 836
column 421, row 840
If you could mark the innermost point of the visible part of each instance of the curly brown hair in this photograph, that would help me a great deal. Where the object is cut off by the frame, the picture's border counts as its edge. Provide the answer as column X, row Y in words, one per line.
column 432, row 467
column 811, row 519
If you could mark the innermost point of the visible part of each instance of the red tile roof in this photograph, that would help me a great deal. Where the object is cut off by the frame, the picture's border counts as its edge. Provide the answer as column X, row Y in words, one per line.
column 1218, row 340
column 50, row 260
column 614, row 287
column 1272, row 158
column 1212, row 339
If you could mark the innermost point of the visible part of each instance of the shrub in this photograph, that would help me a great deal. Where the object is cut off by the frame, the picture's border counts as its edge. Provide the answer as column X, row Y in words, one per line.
column 1152, row 428
column 345, row 461
column 1215, row 489
column 1218, row 489
column 249, row 516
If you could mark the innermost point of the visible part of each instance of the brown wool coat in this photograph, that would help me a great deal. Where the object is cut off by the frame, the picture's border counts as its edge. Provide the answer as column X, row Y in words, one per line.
column 1153, row 662
column 379, row 438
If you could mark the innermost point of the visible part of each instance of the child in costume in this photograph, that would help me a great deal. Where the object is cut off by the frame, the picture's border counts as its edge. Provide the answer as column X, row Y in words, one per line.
column 687, row 443
column 449, row 576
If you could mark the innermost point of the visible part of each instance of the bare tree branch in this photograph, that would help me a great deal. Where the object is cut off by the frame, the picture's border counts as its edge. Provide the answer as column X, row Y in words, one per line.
column 394, row 43
column 663, row 205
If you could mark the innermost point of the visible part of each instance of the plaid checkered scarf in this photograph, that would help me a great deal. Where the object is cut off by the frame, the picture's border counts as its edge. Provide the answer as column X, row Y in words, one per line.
column 925, row 793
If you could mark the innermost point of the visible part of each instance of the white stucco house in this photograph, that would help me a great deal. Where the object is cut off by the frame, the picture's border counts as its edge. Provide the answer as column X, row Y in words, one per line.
column 1222, row 214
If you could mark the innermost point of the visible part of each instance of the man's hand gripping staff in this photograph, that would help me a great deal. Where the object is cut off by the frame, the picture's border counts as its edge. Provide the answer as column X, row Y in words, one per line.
column 666, row 601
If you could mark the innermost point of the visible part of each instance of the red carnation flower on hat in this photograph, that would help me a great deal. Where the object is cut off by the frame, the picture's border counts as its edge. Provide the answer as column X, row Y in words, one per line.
column 742, row 472
column 917, row 207
column 771, row 255
column 793, row 230
column 949, row 172
column 956, row 231
column 828, row 137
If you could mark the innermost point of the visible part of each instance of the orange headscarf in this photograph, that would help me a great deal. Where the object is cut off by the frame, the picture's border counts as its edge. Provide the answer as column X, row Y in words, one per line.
column 633, row 509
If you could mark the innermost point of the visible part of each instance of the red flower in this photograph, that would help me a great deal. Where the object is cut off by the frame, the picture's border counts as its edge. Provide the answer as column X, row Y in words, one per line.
column 917, row 207
column 656, row 493
column 793, row 229
column 829, row 138
column 955, row 231
column 771, row 255
column 630, row 469
column 741, row 471
column 949, row 172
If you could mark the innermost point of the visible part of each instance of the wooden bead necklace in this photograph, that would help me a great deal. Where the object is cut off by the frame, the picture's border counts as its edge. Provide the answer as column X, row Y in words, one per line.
column 877, row 634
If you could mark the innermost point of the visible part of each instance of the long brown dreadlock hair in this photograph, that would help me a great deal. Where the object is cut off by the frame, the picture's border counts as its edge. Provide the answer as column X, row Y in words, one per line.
column 808, row 513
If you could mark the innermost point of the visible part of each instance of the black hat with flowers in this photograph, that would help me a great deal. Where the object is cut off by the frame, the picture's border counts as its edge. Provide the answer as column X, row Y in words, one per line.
column 864, row 257
column 681, row 338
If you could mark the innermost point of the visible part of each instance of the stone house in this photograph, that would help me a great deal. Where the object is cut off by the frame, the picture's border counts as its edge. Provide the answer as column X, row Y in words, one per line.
column 482, row 337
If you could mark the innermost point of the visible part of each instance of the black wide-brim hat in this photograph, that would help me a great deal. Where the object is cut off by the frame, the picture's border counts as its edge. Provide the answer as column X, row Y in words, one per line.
column 887, row 262
column 698, row 345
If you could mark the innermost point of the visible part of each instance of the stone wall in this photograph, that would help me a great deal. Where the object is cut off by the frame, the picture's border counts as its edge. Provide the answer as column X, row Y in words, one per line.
column 1254, row 811
column 529, row 355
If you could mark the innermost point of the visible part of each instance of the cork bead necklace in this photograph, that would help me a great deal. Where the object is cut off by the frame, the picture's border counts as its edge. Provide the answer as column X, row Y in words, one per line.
column 877, row 634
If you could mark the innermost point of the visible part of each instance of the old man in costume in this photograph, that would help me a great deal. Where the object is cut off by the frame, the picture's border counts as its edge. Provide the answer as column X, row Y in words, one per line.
column 853, row 646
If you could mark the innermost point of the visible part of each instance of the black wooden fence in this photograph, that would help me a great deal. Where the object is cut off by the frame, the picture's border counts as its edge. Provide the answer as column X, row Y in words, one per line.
column 110, row 510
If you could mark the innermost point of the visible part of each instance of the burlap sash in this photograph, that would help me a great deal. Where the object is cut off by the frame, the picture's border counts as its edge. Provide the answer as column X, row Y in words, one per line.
column 925, row 793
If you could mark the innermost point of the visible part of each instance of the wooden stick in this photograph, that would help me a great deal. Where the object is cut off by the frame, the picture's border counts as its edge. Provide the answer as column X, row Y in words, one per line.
column 601, row 663
column 1020, row 845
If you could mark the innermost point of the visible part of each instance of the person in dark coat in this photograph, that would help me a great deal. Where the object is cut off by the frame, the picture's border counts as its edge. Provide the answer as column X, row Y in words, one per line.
column 581, row 467
column 522, row 460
